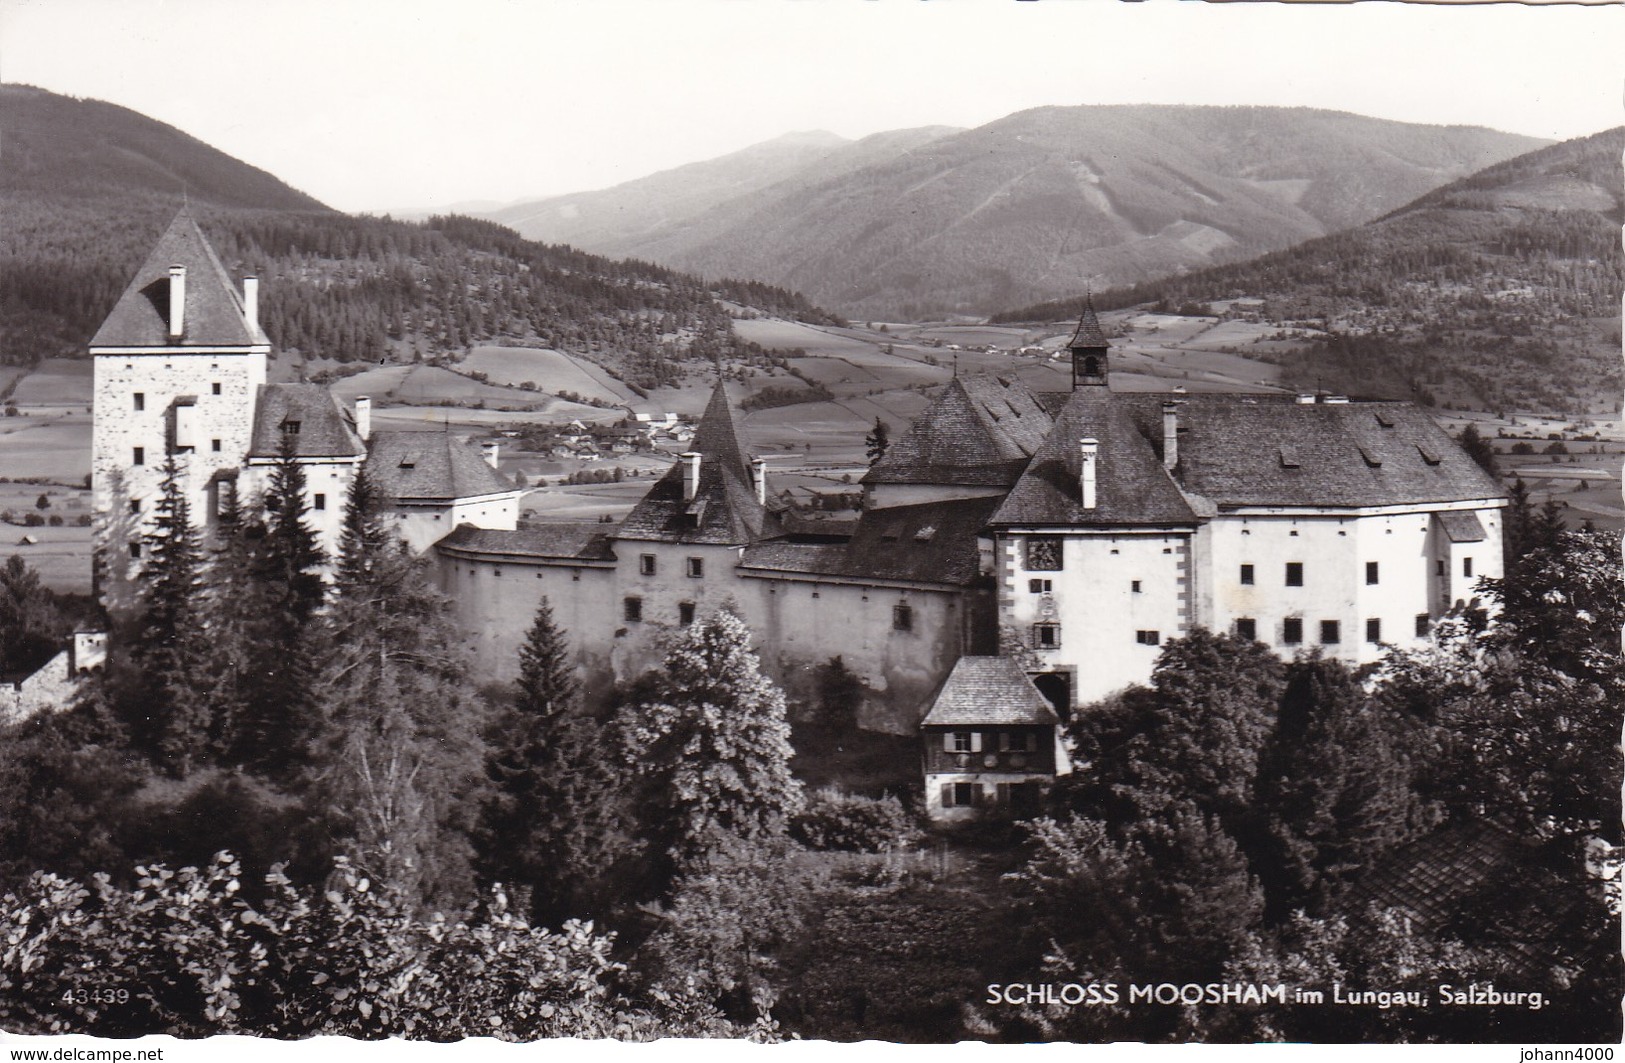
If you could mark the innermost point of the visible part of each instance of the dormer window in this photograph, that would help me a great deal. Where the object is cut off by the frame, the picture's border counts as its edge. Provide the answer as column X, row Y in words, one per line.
column 290, row 428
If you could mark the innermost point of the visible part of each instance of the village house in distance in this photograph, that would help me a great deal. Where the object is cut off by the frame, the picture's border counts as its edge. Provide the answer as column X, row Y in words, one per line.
column 1018, row 556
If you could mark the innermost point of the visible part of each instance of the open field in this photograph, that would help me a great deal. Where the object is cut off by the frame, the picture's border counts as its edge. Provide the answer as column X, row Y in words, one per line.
column 49, row 442
column 550, row 370
column 428, row 383
column 55, row 382
column 61, row 556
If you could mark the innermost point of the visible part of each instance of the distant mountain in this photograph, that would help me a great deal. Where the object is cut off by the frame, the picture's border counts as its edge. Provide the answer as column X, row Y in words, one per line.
column 1500, row 290
column 85, row 187
column 1036, row 205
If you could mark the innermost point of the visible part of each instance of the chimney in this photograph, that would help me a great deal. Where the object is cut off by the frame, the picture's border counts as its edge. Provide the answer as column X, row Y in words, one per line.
column 1086, row 472
column 1170, row 434
column 251, row 302
column 488, row 451
column 177, row 302
column 691, row 475
column 363, row 417
column 758, row 479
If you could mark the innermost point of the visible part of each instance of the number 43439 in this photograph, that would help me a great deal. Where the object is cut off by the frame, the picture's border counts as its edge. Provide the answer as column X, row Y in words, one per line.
column 118, row 995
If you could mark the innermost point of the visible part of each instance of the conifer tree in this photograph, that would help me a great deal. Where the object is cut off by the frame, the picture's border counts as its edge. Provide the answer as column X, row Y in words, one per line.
column 365, row 537
column 877, row 441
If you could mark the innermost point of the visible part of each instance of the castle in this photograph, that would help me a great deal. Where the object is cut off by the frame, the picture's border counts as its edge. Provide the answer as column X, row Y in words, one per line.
column 1018, row 555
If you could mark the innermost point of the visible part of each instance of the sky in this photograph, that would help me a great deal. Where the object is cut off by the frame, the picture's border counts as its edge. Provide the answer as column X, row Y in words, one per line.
column 375, row 105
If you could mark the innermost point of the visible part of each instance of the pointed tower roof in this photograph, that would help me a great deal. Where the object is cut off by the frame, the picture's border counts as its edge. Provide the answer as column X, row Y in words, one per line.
column 1088, row 333
column 724, row 507
column 213, row 309
column 980, row 431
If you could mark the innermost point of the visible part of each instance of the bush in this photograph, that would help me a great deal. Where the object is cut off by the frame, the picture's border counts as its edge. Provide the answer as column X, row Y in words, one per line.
column 855, row 824
column 55, row 520
column 33, row 520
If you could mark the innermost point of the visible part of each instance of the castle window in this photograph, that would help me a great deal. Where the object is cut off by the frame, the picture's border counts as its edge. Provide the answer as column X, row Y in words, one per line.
column 1466, row 566
column 632, row 610
column 1438, row 567
column 214, row 445
column 1134, row 586
column 135, row 505
column 1292, row 631
column 140, row 401
column 685, row 613
column 1043, row 554
column 290, row 428
column 1247, row 628
column 214, row 388
column 902, row 617
column 1371, row 572
column 1424, row 624
column 139, row 457
column 135, row 550
column 320, row 501
column 1039, row 586
column 1047, row 636
column 1373, row 630
column 1148, row 638
column 1294, row 573
column 695, row 567
column 1247, row 575
column 1330, row 632
column 646, row 564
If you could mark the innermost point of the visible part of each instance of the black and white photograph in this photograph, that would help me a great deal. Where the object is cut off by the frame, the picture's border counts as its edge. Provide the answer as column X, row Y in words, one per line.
column 824, row 521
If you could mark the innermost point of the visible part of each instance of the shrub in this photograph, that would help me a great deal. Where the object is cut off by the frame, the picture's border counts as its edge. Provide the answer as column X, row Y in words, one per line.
column 852, row 823
column 33, row 520
column 55, row 520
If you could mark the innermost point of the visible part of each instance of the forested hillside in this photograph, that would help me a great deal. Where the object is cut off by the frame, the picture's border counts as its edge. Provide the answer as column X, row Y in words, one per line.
column 80, row 215
column 1500, row 290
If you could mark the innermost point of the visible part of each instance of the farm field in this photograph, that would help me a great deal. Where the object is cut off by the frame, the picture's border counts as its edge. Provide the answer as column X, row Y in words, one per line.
column 55, row 382
column 550, row 370
column 46, row 442
column 428, row 383
column 61, row 555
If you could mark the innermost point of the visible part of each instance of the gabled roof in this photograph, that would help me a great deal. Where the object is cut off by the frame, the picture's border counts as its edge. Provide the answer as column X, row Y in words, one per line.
column 1246, row 451
column 1088, row 333
column 1463, row 527
column 322, row 430
column 980, row 431
column 561, row 541
column 433, row 466
column 934, row 542
column 213, row 310
column 1131, row 486
column 724, row 509
column 988, row 690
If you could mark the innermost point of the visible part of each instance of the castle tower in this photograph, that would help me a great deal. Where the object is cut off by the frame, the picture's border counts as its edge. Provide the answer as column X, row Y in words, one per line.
column 178, row 365
column 1089, row 349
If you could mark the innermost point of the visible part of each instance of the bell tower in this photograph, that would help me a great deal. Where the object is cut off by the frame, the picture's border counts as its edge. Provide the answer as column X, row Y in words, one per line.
column 1090, row 351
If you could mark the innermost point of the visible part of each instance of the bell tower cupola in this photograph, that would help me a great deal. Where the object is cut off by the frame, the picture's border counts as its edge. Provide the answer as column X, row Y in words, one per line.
column 1089, row 349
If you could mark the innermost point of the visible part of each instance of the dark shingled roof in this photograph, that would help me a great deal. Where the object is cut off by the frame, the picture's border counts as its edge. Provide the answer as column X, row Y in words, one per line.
column 1088, row 333
column 431, row 465
column 323, row 430
column 561, row 541
column 1237, row 451
column 1463, row 527
column 724, row 509
column 1131, row 486
column 980, row 431
column 213, row 312
column 934, row 542
column 988, row 690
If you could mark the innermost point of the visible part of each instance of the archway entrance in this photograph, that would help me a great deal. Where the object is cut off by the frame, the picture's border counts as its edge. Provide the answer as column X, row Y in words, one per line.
column 1057, row 690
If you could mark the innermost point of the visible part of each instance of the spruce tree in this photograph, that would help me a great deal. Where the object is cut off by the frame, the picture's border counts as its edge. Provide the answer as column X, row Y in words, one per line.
column 877, row 441
column 365, row 537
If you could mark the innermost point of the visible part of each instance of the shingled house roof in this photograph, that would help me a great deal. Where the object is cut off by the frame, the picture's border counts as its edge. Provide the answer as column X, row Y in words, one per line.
column 305, row 414
column 1131, row 486
column 988, row 690
column 1238, row 451
column 724, row 509
column 563, row 541
column 980, row 431
column 213, row 312
column 430, row 465
column 934, row 542
column 1088, row 333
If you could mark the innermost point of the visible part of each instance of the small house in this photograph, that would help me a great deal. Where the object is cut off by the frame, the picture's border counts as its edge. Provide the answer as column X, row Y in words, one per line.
column 989, row 742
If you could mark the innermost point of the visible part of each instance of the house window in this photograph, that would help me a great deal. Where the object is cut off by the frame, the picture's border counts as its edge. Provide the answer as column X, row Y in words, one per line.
column 1424, row 624
column 1246, row 575
column 1148, row 638
column 135, row 505
column 632, row 610
column 902, row 617
column 958, row 794
column 214, row 445
column 962, row 741
column 1294, row 573
column 1373, row 630
column 696, row 567
column 1246, row 628
column 1370, row 572
column 1134, row 586
column 290, row 428
column 1043, row 554
column 1039, row 586
column 135, row 549
column 215, row 387
column 1046, row 636
column 1330, row 632
column 685, row 613
column 1017, row 743
column 140, row 401
column 139, row 457
column 320, row 501
column 1292, row 631
column 646, row 564
column 1466, row 566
